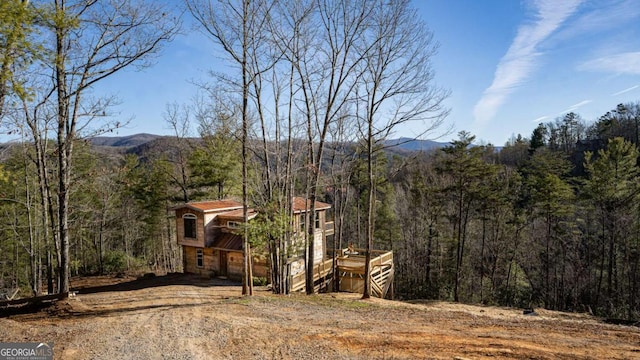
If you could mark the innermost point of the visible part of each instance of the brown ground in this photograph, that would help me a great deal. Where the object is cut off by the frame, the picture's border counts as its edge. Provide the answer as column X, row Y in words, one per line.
column 183, row 317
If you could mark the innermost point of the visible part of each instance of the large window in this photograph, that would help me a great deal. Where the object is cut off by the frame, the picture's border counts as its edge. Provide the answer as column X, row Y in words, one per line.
column 189, row 226
column 199, row 258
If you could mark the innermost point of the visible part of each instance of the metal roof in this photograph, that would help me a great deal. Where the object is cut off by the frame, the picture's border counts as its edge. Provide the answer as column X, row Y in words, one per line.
column 301, row 205
column 238, row 214
column 232, row 208
column 208, row 206
column 228, row 241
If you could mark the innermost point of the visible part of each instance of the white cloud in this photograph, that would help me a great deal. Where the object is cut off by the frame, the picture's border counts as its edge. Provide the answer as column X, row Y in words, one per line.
column 575, row 107
column 521, row 59
column 625, row 90
column 581, row 103
column 540, row 119
column 601, row 16
column 622, row 63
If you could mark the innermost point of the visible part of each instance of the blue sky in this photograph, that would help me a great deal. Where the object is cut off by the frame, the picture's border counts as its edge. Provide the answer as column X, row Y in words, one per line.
column 509, row 65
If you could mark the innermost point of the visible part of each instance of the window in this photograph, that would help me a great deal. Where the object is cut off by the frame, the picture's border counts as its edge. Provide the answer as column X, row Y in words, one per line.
column 199, row 258
column 233, row 224
column 303, row 218
column 317, row 220
column 189, row 226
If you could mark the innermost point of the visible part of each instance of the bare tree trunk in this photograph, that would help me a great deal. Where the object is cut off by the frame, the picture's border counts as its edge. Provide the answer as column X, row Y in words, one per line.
column 395, row 49
column 237, row 29
column 370, row 212
column 34, row 243
column 64, row 149
column 484, row 237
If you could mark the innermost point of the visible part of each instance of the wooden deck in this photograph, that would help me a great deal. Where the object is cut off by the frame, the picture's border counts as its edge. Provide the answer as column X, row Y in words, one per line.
column 321, row 277
column 351, row 273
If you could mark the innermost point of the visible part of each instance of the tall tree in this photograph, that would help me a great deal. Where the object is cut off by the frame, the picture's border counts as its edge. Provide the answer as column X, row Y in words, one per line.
column 179, row 119
column 238, row 27
column 550, row 200
column 397, row 87
column 326, row 66
column 538, row 138
column 613, row 187
column 93, row 40
column 463, row 163
column 215, row 164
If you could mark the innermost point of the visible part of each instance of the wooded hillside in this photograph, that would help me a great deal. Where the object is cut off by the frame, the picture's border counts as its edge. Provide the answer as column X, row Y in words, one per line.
column 542, row 222
column 308, row 108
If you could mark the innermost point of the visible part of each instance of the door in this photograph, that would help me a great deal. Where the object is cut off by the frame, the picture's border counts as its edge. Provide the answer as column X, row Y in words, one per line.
column 223, row 263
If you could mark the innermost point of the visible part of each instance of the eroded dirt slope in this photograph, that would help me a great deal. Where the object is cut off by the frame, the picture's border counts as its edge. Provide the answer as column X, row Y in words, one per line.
column 184, row 317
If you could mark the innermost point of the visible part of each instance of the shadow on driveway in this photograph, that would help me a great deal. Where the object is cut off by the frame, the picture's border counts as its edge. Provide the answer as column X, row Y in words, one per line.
column 147, row 281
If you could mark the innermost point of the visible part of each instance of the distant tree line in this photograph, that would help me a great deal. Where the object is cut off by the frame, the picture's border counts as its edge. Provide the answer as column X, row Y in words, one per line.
column 551, row 220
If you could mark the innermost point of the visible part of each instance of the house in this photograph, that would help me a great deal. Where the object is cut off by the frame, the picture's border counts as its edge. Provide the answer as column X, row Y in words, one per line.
column 207, row 232
column 322, row 229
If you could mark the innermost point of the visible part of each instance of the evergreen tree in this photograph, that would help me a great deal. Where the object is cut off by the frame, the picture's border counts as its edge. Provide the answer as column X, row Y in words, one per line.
column 463, row 163
column 613, row 188
column 216, row 165
column 17, row 46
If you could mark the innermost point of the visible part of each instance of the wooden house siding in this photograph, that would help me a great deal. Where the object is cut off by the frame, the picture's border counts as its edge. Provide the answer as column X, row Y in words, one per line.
column 234, row 265
column 261, row 269
column 210, row 261
column 200, row 235
column 222, row 255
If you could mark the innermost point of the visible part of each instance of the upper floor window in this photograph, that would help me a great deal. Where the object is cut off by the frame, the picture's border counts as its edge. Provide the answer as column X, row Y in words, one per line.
column 233, row 224
column 189, row 226
column 317, row 220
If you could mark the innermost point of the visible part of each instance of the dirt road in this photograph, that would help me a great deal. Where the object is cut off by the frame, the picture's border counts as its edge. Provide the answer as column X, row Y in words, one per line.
column 183, row 317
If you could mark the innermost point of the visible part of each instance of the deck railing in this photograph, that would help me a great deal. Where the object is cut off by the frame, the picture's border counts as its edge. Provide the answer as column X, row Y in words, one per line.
column 320, row 271
column 350, row 264
column 351, row 270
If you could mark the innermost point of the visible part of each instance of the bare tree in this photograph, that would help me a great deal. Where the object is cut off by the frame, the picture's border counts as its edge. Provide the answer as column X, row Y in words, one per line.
column 92, row 41
column 325, row 58
column 33, row 119
column 397, row 87
column 342, row 159
column 238, row 26
column 179, row 119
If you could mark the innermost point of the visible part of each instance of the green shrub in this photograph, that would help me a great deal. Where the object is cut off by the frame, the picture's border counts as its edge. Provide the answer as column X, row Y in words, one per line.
column 74, row 267
column 259, row 281
column 115, row 261
column 137, row 264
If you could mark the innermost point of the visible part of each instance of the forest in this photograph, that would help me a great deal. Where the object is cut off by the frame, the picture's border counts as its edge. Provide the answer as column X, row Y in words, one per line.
column 316, row 91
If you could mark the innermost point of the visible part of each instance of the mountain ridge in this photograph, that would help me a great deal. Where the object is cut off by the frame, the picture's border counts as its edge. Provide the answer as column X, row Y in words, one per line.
column 404, row 144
